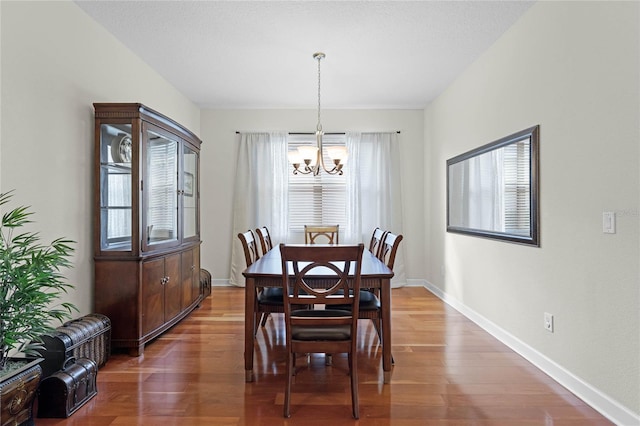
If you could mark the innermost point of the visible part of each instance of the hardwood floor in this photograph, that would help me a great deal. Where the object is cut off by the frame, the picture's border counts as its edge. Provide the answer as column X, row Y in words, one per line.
column 447, row 372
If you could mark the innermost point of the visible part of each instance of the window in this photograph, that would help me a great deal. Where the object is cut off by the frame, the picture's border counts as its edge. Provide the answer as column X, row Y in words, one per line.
column 317, row 200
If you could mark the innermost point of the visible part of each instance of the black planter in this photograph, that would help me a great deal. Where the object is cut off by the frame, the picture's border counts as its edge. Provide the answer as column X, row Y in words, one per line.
column 18, row 390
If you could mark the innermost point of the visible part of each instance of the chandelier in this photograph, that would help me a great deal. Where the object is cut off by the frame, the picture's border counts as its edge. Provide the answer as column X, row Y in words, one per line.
column 310, row 159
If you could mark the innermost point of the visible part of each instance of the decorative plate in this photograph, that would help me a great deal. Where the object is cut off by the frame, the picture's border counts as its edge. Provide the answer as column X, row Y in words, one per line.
column 121, row 148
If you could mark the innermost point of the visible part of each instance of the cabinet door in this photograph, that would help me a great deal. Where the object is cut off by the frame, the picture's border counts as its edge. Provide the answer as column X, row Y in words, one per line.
column 152, row 295
column 115, row 186
column 172, row 287
column 190, row 276
column 190, row 192
column 195, row 283
column 187, row 278
column 160, row 188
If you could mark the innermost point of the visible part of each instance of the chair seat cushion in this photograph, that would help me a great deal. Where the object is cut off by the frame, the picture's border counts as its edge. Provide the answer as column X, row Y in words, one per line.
column 368, row 302
column 270, row 296
column 332, row 333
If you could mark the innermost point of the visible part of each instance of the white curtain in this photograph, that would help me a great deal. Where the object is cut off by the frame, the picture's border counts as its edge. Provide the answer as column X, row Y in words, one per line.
column 374, row 196
column 483, row 189
column 260, row 192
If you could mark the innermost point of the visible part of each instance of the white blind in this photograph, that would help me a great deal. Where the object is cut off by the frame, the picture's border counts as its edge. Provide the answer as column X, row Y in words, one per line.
column 517, row 209
column 162, row 155
column 317, row 200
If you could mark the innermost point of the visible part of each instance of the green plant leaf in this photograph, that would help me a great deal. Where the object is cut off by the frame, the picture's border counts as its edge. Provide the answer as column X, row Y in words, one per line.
column 31, row 283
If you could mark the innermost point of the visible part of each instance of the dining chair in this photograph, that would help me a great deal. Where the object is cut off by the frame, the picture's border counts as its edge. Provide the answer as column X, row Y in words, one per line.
column 269, row 299
column 327, row 330
column 265, row 239
column 389, row 248
column 330, row 233
column 370, row 306
column 265, row 243
column 376, row 241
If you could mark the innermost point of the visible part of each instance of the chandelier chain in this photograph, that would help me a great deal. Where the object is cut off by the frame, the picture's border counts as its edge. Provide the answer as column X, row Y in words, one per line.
column 319, row 125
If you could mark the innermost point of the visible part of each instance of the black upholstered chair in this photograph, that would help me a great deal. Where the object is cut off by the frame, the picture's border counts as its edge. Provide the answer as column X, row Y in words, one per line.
column 268, row 299
column 328, row 330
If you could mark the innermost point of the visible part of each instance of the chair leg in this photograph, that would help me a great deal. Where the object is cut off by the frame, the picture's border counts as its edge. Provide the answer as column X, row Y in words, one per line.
column 287, row 391
column 378, row 325
column 328, row 359
column 264, row 319
column 353, row 370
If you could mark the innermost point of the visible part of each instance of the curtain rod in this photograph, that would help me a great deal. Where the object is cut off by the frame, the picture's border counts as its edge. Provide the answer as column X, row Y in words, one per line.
column 313, row 133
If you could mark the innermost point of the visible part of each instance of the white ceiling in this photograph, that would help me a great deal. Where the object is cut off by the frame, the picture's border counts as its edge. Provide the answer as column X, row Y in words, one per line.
column 258, row 54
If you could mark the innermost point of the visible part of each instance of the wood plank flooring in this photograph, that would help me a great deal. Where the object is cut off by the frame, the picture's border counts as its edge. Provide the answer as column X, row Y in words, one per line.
column 447, row 372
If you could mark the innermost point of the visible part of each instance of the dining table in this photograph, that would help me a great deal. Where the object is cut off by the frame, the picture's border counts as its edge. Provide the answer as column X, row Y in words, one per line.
column 267, row 272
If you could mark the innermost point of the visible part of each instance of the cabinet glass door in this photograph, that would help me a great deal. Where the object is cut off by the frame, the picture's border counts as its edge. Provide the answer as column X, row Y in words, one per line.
column 116, row 151
column 190, row 192
column 161, row 189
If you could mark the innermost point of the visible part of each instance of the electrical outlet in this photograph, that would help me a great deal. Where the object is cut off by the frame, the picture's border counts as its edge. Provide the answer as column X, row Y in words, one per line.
column 548, row 322
column 609, row 222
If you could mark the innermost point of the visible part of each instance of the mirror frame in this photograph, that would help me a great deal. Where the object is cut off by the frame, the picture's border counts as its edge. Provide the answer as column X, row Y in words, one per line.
column 533, row 134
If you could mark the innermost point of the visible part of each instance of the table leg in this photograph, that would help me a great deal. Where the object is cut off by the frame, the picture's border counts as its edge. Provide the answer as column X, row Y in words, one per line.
column 385, row 295
column 249, row 324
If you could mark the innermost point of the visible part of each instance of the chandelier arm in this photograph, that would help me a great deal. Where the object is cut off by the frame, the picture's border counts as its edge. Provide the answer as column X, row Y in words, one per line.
column 298, row 170
column 320, row 162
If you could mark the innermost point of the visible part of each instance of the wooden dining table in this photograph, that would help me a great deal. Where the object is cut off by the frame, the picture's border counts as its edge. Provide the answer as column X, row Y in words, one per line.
column 267, row 272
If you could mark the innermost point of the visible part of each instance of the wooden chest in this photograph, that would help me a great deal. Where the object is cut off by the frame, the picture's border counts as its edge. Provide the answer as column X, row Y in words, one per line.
column 205, row 283
column 85, row 337
column 65, row 391
column 17, row 395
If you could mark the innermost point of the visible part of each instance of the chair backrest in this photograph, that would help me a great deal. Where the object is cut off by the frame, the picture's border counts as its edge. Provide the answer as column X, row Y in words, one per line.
column 329, row 232
column 265, row 239
column 389, row 248
column 376, row 241
column 250, row 247
column 336, row 269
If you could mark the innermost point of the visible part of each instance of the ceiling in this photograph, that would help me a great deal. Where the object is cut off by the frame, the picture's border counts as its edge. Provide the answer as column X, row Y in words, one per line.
column 259, row 54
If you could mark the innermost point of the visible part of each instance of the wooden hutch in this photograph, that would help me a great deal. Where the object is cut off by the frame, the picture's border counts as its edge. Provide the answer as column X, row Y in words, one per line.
column 147, row 222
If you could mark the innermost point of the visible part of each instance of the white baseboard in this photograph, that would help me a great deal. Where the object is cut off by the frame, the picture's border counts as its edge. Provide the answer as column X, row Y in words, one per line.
column 411, row 282
column 219, row 282
column 601, row 402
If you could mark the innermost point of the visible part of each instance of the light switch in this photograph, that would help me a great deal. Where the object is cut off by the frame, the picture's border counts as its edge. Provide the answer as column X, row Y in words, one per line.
column 609, row 222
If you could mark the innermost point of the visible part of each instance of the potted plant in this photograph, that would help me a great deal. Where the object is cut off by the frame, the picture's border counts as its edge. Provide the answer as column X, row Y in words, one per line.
column 31, row 284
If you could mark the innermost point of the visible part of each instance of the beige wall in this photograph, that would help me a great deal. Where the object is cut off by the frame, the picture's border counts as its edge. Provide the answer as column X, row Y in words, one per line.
column 571, row 67
column 55, row 63
column 219, row 158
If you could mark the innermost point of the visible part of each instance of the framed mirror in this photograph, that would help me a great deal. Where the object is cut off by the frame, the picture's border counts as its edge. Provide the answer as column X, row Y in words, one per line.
column 492, row 191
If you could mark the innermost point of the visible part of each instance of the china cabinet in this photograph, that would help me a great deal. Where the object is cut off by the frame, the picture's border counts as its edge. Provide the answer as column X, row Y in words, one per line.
column 147, row 227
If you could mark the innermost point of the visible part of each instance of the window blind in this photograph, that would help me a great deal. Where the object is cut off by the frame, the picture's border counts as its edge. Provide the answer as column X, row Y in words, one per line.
column 517, row 219
column 162, row 172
